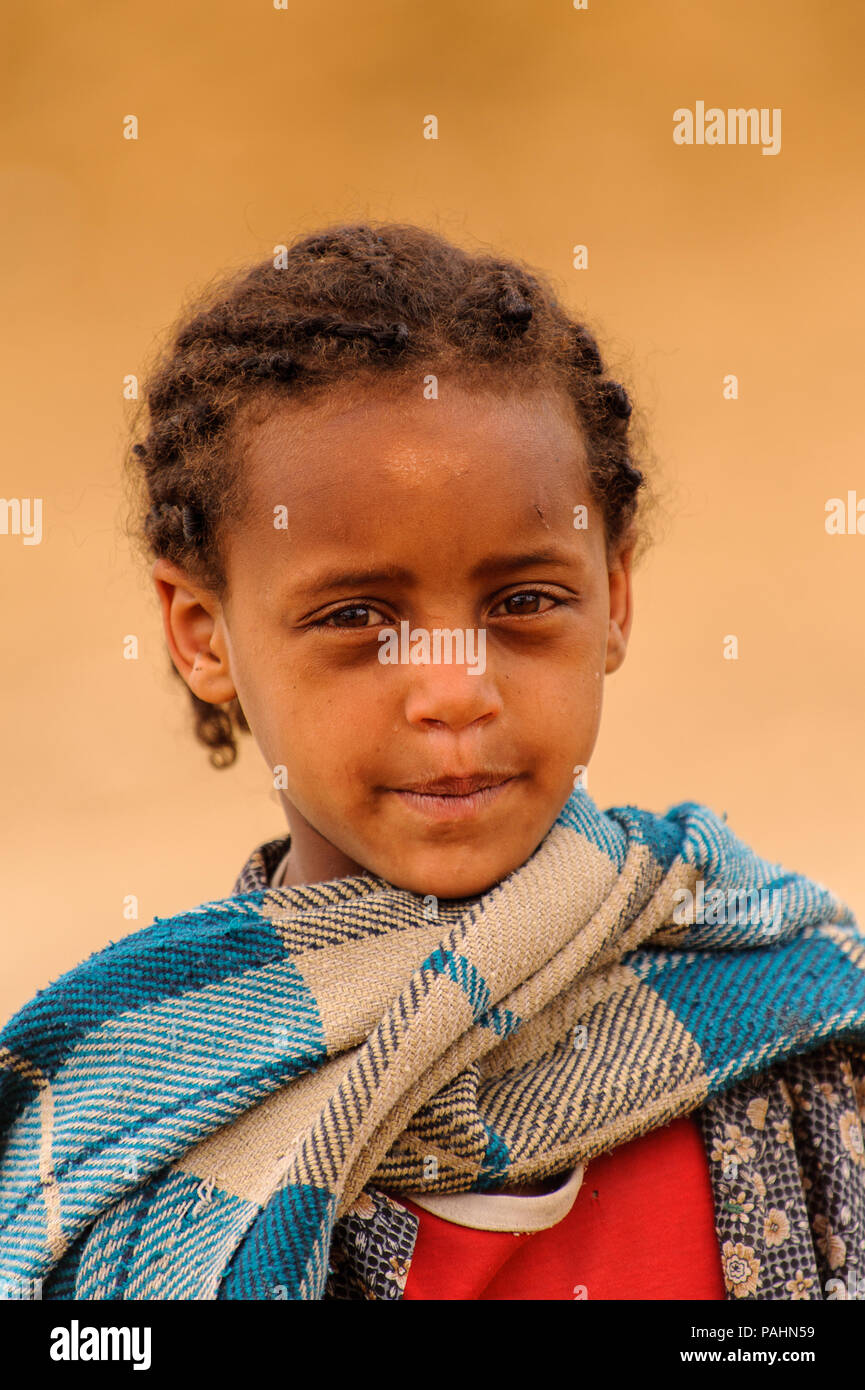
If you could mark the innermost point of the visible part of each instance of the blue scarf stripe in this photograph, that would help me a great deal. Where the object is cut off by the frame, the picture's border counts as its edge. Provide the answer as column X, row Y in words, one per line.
column 659, row 834
column 502, row 1021
column 135, row 1068
column 192, row 1232
column 464, row 974
column 60, row 1283
column 709, row 842
column 95, row 1172
column 273, row 1262
column 496, row 1160
column 795, row 988
column 180, row 955
column 117, row 1229
column 580, row 814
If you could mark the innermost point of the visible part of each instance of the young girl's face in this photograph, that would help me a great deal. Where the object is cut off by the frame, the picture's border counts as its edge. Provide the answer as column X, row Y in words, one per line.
column 450, row 514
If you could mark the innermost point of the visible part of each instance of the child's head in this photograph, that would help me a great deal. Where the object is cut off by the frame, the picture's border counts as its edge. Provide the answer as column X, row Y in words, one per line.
column 380, row 435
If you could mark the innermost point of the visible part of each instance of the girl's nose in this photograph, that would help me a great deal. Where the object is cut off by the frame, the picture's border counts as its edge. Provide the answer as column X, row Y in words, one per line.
column 452, row 696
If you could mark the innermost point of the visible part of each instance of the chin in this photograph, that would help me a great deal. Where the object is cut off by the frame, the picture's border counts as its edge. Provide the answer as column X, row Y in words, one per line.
column 445, row 884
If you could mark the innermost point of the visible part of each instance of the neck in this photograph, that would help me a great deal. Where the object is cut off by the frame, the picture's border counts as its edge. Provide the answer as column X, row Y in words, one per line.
column 312, row 858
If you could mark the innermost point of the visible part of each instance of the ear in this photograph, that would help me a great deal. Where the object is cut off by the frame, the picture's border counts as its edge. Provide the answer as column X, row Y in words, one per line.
column 621, row 605
column 194, row 631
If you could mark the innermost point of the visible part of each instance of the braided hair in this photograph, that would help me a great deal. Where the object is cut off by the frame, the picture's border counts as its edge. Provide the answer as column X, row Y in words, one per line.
column 390, row 301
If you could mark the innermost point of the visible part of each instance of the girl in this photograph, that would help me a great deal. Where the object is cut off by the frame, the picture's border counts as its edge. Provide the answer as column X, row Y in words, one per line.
column 459, row 1034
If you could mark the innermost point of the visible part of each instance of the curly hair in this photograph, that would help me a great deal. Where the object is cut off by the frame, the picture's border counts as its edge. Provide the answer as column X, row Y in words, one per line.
column 387, row 301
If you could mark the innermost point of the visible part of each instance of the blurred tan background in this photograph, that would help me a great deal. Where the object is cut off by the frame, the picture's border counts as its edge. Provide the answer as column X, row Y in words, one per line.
column 555, row 128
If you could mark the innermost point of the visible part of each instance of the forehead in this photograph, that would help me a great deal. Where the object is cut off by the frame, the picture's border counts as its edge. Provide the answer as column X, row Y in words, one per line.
column 321, row 450
column 431, row 488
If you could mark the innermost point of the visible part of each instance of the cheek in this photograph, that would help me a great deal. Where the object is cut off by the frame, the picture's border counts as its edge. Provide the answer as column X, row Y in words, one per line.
column 272, row 700
column 591, row 697
column 567, row 714
column 330, row 731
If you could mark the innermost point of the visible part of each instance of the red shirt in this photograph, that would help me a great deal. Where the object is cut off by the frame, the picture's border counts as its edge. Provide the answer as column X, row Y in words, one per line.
column 642, row 1227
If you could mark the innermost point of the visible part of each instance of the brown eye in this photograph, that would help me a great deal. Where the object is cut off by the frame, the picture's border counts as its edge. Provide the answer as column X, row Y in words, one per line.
column 352, row 617
column 527, row 602
column 523, row 603
column 356, row 616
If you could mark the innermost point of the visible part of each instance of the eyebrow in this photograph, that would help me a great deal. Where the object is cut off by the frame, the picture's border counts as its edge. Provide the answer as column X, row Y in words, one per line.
column 507, row 560
column 339, row 578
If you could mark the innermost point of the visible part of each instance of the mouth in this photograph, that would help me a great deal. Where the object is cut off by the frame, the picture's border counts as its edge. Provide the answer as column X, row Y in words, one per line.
column 455, row 798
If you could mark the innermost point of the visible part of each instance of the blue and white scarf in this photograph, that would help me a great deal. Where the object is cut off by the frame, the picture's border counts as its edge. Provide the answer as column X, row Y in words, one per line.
column 190, row 1112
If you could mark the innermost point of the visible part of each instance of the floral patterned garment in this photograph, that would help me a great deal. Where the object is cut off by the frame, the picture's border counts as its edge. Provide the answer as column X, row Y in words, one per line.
column 787, row 1165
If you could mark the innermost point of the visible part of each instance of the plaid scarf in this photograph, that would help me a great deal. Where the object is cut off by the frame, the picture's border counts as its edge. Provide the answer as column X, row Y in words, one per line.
column 194, row 1111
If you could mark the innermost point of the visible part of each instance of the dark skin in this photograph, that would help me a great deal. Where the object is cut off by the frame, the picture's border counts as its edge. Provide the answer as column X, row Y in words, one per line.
column 460, row 514
column 460, row 511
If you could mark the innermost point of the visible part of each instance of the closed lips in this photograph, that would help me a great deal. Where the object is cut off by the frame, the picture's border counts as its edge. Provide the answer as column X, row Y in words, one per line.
column 457, row 786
